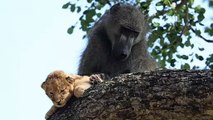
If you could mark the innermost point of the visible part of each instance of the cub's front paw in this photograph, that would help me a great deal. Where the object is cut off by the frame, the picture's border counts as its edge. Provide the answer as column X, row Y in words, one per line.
column 96, row 78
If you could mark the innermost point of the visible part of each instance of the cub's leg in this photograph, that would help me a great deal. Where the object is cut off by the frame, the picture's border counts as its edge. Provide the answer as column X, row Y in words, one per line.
column 79, row 91
column 84, row 84
column 50, row 112
column 81, row 85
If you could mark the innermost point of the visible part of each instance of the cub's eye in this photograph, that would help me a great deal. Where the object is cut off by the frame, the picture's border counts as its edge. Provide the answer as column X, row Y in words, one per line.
column 69, row 78
column 51, row 93
column 62, row 90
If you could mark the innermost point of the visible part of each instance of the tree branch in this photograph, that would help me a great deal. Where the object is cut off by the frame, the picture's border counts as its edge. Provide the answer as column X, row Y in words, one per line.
column 167, row 94
column 207, row 40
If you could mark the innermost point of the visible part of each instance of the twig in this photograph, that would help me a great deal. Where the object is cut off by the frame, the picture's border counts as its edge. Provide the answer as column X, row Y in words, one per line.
column 207, row 40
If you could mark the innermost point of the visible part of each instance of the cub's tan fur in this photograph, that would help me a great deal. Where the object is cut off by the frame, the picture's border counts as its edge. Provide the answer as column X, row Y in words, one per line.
column 60, row 87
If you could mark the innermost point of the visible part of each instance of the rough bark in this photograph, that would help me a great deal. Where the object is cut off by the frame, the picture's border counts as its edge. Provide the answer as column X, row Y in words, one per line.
column 161, row 95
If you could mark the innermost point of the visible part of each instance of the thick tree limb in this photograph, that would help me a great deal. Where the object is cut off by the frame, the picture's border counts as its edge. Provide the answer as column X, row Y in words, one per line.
column 161, row 95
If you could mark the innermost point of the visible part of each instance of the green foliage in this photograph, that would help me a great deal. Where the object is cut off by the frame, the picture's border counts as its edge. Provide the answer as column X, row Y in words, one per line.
column 185, row 66
column 173, row 27
column 210, row 3
column 209, row 30
column 209, row 61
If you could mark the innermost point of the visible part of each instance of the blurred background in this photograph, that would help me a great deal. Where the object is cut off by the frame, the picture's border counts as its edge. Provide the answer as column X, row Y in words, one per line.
column 34, row 42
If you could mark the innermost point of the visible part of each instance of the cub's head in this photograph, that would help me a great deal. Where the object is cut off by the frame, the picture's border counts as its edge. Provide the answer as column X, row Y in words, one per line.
column 59, row 87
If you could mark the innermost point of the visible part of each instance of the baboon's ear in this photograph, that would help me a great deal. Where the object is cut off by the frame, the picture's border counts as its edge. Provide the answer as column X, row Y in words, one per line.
column 69, row 79
column 115, row 8
column 43, row 85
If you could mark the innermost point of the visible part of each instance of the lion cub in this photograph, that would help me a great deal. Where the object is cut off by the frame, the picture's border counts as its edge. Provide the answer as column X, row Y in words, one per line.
column 60, row 87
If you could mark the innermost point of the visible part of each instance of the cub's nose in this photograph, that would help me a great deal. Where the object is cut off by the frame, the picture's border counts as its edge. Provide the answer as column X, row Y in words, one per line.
column 59, row 102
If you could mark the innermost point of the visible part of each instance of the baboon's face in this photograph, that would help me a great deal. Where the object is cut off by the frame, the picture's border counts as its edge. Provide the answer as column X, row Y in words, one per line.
column 123, row 25
column 122, row 40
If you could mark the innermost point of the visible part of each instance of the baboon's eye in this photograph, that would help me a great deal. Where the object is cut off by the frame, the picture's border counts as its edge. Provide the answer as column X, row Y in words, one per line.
column 124, row 30
column 135, row 33
column 127, row 31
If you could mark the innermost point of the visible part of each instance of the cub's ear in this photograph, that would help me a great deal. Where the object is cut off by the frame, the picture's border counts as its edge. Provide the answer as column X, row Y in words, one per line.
column 43, row 86
column 69, row 79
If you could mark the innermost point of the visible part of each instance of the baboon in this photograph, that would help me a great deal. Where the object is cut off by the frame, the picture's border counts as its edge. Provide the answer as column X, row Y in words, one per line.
column 116, row 43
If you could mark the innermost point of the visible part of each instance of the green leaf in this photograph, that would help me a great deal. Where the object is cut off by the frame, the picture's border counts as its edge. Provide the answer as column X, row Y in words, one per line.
column 191, row 1
column 159, row 3
column 70, row 30
column 197, row 32
column 200, row 17
column 72, row 7
column 209, row 61
column 187, row 43
column 78, row 9
column 89, row 15
column 201, row 49
column 171, row 12
column 156, row 24
column 209, row 30
column 192, row 45
column 210, row 3
column 99, row 6
column 178, row 56
column 184, row 57
column 154, row 53
column 89, row 1
column 199, row 9
column 144, row 5
column 172, row 62
column 210, row 58
column 99, row 14
column 102, row 2
column 185, row 66
column 65, row 6
column 84, row 25
column 166, row 2
column 181, row 45
column 211, row 67
column 199, row 57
